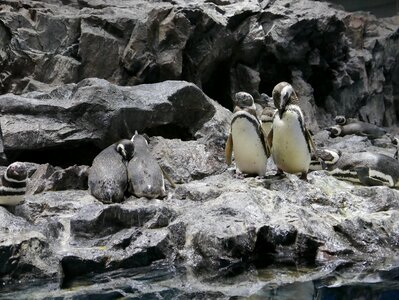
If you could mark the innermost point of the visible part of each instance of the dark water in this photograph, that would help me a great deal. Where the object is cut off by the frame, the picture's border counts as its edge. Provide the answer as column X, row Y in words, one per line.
column 166, row 282
column 379, row 8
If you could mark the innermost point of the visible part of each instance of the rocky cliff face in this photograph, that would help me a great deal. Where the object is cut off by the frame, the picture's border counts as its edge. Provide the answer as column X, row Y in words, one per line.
column 78, row 75
column 340, row 62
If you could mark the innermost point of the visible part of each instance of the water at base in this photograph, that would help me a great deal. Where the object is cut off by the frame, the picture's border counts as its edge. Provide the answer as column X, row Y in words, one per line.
column 162, row 281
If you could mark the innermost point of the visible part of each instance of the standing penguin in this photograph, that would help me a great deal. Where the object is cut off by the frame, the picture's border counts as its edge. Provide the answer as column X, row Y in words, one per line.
column 108, row 174
column 146, row 177
column 289, row 140
column 246, row 138
column 13, row 184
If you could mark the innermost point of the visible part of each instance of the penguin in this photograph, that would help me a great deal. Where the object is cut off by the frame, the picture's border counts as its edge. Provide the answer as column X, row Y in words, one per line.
column 146, row 177
column 358, row 128
column 107, row 177
column 246, row 139
column 289, row 140
column 13, row 184
column 342, row 120
column 367, row 168
column 267, row 116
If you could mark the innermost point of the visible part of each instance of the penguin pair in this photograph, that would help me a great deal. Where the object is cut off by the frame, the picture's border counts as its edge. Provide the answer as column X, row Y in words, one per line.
column 13, row 184
column 289, row 142
column 367, row 168
column 126, row 166
column 346, row 126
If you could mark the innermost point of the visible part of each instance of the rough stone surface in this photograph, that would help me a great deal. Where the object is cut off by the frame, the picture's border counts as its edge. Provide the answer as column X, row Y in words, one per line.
column 95, row 111
column 78, row 75
column 49, row 178
column 345, row 63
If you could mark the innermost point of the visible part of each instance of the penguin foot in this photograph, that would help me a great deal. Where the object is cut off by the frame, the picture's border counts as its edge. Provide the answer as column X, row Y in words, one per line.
column 304, row 176
column 239, row 175
column 279, row 174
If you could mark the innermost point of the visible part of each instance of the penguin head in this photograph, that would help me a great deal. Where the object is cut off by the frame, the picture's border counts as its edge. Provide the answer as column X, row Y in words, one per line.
column 125, row 148
column 334, row 130
column 140, row 143
column 17, row 172
column 244, row 100
column 395, row 140
column 329, row 156
column 276, row 93
column 283, row 95
column 340, row 120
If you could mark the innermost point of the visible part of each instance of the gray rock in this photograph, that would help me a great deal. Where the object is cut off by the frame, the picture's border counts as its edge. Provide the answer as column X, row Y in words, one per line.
column 217, row 225
column 96, row 111
column 25, row 251
column 49, row 178
column 3, row 157
column 340, row 63
column 347, row 61
column 187, row 161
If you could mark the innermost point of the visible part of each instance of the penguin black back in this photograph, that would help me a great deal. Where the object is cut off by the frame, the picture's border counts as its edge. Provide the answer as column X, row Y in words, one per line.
column 145, row 175
column 108, row 173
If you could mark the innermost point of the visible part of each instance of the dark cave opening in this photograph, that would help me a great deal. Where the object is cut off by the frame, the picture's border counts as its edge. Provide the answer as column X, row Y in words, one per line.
column 65, row 156
column 321, row 81
column 272, row 73
column 217, row 85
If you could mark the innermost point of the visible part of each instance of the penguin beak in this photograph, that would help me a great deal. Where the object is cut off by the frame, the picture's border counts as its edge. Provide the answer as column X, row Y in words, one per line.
column 283, row 104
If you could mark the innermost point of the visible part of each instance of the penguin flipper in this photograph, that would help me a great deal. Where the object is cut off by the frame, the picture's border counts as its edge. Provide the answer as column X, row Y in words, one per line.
column 309, row 139
column 166, row 175
column 269, row 142
column 364, row 177
column 264, row 137
column 229, row 149
column 313, row 148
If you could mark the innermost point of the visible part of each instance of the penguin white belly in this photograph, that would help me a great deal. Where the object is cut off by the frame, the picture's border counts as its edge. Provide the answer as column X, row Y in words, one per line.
column 290, row 150
column 249, row 151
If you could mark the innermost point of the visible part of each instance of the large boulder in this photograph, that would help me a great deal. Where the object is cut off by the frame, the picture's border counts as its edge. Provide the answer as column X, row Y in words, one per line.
column 97, row 112
column 217, row 225
column 25, row 252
